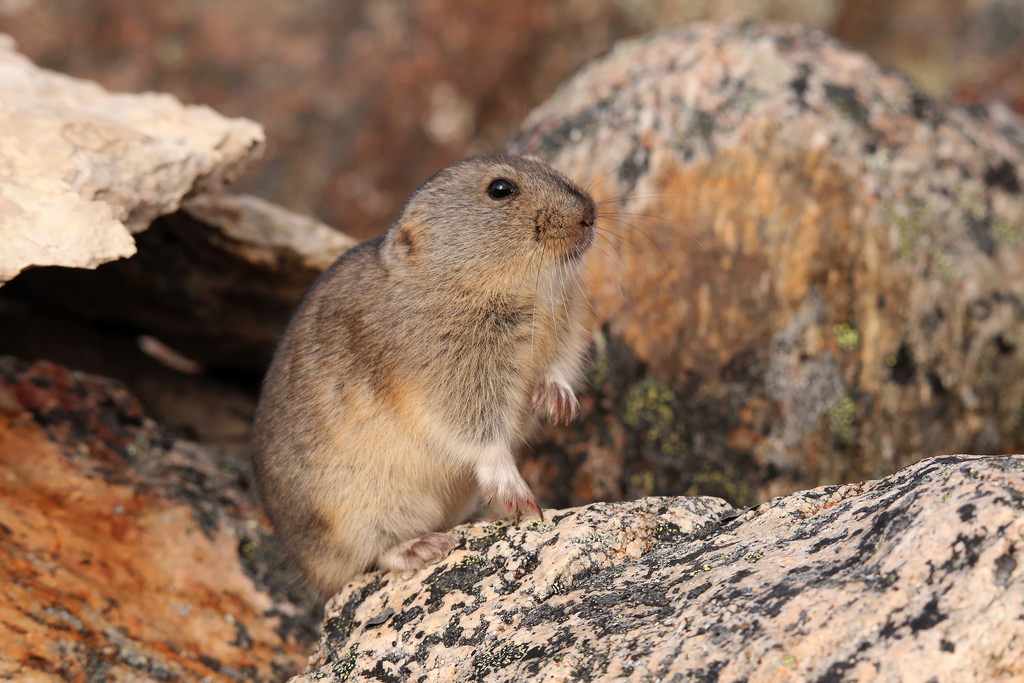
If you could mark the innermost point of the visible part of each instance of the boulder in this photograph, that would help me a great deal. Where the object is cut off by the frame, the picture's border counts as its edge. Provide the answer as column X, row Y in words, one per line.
column 82, row 169
column 910, row 578
column 807, row 271
column 127, row 554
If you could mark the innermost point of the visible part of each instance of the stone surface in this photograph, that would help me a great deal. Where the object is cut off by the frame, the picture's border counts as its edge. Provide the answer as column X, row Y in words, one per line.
column 809, row 271
column 217, row 281
column 126, row 554
column 81, row 168
column 911, row 578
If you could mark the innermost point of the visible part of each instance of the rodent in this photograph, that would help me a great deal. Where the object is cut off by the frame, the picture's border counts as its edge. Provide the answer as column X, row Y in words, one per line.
column 413, row 367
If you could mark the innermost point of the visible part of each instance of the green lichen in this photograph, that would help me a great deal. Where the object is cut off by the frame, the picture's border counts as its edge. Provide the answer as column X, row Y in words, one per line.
column 593, row 539
column 1007, row 234
column 642, row 483
column 847, row 337
column 721, row 482
column 344, row 666
column 753, row 557
column 911, row 227
column 842, row 419
column 498, row 659
column 601, row 365
column 537, row 525
column 655, row 413
column 471, row 560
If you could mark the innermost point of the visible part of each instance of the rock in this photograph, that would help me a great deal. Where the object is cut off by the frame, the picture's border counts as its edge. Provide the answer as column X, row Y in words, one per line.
column 126, row 554
column 810, row 272
column 81, row 168
column 217, row 281
column 909, row 578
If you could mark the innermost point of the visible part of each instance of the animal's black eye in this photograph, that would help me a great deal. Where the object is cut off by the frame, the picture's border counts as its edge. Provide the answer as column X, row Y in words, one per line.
column 500, row 188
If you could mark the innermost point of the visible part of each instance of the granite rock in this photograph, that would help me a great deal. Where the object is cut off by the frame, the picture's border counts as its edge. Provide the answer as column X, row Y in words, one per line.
column 913, row 577
column 127, row 554
column 808, row 271
column 81, row 169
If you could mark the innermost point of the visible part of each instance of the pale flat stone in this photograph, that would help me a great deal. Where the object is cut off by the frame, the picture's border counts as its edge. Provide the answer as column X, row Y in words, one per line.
column 82, row 168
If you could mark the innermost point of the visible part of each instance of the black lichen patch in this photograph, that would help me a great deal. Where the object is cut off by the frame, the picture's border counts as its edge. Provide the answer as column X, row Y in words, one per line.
column 709, row 674
column 846, row 101
column 497, row 531
column 405, row 616
column 930, row 616
column 666, row 532
column 966, row 512
column 1004, row 176
column 545, row 614
column 399, row 673
column 338, row 628
column 452, row 633
column 966, row 550
column 593, row 665
column 1005, row 566
column 343, row 666
column 465, row 577
column 426, row 646
column 823, row 543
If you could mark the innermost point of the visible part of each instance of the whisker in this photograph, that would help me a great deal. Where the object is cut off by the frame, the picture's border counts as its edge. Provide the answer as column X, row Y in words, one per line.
column 647, row 195
column 652, row 220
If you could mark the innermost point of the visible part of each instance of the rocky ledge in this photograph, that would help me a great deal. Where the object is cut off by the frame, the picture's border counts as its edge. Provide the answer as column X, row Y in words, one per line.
column 911, row 577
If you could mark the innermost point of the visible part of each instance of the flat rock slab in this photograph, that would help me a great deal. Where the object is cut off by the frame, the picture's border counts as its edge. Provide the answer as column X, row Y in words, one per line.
column 81, row 169
column 126, row 555
column 913, row 577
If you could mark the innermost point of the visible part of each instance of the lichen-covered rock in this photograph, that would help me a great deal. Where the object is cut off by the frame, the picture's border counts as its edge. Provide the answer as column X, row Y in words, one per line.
column 81, row 168
column 914, row 577
column 809, row 272
column 125, row 554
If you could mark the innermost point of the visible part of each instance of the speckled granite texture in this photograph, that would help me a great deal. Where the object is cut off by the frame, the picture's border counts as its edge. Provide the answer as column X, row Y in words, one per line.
column 815, row 270
column 911, row 578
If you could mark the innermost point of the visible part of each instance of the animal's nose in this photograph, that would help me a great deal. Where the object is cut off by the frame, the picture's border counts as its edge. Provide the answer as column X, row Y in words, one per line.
column 589, row 215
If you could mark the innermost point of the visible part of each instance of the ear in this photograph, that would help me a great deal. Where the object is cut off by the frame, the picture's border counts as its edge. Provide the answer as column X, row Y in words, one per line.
column 407, row 239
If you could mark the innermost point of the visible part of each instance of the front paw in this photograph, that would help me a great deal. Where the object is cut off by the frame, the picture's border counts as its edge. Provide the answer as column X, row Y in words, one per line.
column 557, row 399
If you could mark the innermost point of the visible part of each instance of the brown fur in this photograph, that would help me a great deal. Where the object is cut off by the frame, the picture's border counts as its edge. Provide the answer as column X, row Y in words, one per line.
column 405, row 379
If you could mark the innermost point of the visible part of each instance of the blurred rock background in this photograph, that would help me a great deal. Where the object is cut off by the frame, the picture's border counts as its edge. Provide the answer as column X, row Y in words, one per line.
column 362, row 100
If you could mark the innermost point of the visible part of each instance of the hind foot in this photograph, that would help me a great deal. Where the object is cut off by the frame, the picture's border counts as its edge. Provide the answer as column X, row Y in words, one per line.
column 418, row 553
